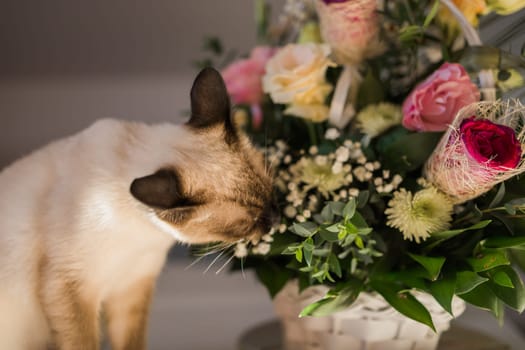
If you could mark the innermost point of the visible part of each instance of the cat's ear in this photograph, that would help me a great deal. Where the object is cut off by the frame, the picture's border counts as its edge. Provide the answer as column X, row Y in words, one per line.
column 210, row 102
column 159, row 190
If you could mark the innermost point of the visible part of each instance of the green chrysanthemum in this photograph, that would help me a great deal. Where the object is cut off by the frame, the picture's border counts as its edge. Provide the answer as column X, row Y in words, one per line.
column 419, row 215
column 320, row 175
column 373, row 120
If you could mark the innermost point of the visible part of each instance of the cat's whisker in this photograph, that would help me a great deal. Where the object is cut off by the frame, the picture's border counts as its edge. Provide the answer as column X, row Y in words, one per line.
column 225, row 264
column 214, row 261
column 242, row 269
column 194, row 262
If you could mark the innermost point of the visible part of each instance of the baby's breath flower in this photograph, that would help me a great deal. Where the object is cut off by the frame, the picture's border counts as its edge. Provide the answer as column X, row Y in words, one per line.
column 287, row 159
column 262, row 248
column 373, row 120
column 290, row 211
column 342, row 154
column 321, row 160
column 267, row 238
column 307, row 213
column 353, row 192
column 337, row 168
column 300, row 218
column 331, row 134
column 417, row 216
column 240, row 250
column 282, row 228
column 313, row 150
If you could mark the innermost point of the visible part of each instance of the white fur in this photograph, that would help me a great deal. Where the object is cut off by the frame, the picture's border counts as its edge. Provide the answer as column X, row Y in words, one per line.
column 71, row 200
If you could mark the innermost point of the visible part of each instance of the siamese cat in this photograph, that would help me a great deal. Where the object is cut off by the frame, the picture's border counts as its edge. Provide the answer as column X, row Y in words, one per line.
column 86, row 222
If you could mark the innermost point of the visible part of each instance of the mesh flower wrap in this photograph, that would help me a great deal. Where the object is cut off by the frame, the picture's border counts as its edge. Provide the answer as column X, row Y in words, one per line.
column 455, row 170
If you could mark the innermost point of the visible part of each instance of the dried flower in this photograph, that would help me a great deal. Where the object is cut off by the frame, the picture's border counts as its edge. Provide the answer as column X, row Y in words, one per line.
column 419, row 215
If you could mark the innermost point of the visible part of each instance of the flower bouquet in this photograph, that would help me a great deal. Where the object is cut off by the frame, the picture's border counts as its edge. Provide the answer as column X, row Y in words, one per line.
column 396, row 152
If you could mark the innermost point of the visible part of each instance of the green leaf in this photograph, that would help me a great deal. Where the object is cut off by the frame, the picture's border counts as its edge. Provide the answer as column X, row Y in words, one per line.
column 334, row 228
column 299, row 255
column 488, row 259
column 302, row 229
column 272, row 276
column 513, row 297
column 308, row 249
column 359, row 221
column 327, row 214
column 500, row 277
column 334, row 264
column 504, row 241
column 334, row 302
column 362, row 198
column 409, row 33
column 431, row 14
column 484, row 298
column 402, row 156
column 451, row 233
column 328, row 235
column 403, row 302
column 349, row 209
column 466, row 281
column 443, row 291
column 432, row 264
column 336, row 207
column 499, row 196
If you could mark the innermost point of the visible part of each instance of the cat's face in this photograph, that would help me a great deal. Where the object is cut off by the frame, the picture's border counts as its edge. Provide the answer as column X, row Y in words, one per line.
column 222, row 191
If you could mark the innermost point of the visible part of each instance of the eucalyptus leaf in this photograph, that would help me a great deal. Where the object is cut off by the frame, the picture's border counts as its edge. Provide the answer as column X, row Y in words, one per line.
column 362, row 198
column 349, row 209
column 302, row 229
column 334, row 264
column 328, row 235
column 336, row 207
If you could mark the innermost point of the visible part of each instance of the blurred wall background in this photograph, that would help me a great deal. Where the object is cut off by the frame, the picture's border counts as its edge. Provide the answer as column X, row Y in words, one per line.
column 64, row 64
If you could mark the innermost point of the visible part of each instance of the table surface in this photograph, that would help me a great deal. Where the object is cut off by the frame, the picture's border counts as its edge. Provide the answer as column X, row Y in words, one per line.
column 193, row 310
column 268, row 336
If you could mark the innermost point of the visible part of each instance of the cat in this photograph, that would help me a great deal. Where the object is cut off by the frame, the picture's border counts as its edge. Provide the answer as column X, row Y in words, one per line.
column 86, row 221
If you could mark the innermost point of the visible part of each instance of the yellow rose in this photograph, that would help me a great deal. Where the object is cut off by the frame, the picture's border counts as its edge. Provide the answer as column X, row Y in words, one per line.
column 471, row 9
column 505, row 7
column 295, row 75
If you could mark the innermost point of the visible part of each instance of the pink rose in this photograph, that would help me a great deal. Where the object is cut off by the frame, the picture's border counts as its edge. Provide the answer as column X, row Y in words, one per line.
column 243, row 77
column 491, row 144
column 434, row 103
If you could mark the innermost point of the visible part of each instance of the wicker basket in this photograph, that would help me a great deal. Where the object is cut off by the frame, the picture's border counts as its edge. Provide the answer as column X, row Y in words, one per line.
column 369, row 323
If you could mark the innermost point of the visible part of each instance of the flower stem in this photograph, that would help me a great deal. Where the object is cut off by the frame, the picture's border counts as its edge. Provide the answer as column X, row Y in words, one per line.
column 312, row 133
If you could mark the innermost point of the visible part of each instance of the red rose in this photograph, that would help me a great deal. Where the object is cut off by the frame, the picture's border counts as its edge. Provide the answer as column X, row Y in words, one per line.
column 489, row 143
